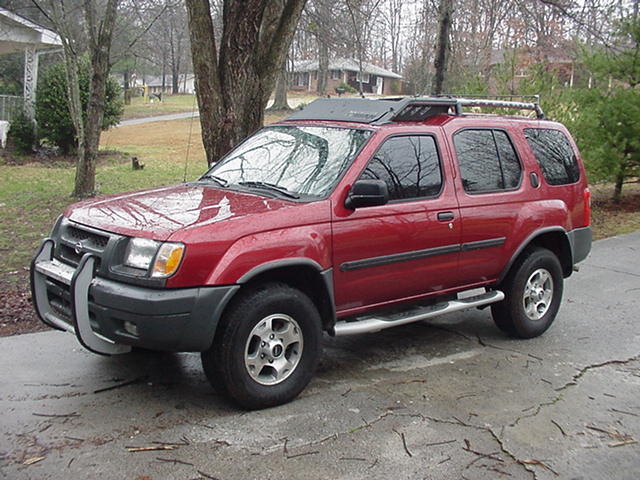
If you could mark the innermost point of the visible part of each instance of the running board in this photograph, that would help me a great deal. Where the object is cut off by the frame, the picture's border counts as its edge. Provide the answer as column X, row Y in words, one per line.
column 375, row 324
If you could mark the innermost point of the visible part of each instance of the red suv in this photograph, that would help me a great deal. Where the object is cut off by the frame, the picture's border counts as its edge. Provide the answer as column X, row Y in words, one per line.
column 350, row 216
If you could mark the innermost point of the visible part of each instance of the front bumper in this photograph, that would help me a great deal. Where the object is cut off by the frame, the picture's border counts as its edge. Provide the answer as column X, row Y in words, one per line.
column 109, row 317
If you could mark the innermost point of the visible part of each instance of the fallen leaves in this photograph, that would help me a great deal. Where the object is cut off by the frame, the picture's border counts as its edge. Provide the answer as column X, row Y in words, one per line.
column 152, row 448
column 619, row 439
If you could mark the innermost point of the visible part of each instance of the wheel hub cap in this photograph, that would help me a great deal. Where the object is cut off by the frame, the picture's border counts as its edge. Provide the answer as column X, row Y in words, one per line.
column 273, row 349
column 538, row 294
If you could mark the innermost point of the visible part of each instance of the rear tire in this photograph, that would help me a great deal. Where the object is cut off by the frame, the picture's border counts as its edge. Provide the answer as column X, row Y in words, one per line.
column 267, row 347
column 533, row 292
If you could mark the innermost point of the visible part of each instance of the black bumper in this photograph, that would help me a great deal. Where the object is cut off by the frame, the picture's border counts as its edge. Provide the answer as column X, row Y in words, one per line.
column 109, row 317
column 182, row 320
column 580, row 240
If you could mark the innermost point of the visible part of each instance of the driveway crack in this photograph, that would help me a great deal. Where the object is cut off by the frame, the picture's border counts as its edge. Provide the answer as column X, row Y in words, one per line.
column 574, row 381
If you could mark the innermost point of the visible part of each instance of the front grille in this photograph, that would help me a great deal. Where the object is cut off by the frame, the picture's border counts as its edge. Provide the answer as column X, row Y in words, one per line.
column 74, row 241
column 88, row 239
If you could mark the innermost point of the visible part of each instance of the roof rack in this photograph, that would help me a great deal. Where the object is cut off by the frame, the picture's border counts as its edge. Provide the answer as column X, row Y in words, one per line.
column 404, row 109
column 498, row 101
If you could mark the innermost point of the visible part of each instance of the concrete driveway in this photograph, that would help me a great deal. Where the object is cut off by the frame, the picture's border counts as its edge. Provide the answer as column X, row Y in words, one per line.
column 451, row 398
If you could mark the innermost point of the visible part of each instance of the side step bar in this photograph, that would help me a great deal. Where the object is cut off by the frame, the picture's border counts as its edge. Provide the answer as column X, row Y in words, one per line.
column 375, row 324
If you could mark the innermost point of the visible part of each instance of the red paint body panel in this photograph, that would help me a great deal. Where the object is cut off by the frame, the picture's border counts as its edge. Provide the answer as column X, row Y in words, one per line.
column 160, row 212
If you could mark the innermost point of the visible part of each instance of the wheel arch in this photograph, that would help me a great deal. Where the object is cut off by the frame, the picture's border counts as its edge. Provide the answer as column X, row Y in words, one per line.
column 302, row 273
column 554, row 239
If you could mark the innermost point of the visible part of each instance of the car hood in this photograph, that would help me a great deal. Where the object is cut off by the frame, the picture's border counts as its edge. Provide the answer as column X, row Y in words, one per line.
column 160, row 212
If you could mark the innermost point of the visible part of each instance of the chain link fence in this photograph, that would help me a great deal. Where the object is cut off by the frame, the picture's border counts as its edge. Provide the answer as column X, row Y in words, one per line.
column 10, row 106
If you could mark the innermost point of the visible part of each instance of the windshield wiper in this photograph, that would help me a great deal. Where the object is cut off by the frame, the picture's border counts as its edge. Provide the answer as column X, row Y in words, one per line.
column 223, row 182
column 269, row 186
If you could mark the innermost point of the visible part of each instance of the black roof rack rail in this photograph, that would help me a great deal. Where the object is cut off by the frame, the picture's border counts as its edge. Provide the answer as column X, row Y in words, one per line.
column 405, row 109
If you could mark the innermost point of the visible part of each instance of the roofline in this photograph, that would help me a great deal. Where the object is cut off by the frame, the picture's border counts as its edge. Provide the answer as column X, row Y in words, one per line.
column 389, row 74
column 48, row 36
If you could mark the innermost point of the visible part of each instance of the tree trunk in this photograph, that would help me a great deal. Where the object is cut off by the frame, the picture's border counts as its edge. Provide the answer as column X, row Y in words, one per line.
column 233, row 90
column 175, row 79
column 442, row 46
column 323, row 66
column 280, row 101
column 205, row 68
column 617, row 191
column 100, row 36
column 127, row 86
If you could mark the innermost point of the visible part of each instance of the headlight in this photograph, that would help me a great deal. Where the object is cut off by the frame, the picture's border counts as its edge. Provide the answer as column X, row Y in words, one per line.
column 167, row 260
column 140, row 253
column 163, row 259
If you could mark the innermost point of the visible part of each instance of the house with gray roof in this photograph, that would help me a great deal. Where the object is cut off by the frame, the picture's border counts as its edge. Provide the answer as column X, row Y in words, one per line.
column 376, row 80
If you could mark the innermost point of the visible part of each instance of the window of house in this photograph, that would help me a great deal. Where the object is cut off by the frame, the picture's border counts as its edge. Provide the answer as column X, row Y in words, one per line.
column 365, row 77
column 336, row 74
column 409, row 165
column 553, row 152
column 487, row 160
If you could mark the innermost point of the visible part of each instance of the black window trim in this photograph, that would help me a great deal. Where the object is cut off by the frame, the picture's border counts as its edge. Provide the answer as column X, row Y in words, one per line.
column 537, row 162
column 492, row 129
column 440, row 163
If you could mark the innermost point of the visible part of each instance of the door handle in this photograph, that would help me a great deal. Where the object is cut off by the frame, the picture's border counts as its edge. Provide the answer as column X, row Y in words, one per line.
column 445, row 216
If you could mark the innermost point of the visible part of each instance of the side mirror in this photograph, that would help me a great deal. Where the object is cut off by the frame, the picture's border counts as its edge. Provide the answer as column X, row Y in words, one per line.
column 367, row 193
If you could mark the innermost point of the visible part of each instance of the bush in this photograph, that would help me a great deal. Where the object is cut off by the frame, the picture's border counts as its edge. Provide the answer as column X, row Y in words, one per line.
column 347, row 87
column 52, row 107
column 22, row 133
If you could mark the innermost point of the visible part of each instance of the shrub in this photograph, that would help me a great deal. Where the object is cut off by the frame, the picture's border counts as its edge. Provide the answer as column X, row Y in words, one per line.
column 347, row 87
column 52, row 106
column 22, row 133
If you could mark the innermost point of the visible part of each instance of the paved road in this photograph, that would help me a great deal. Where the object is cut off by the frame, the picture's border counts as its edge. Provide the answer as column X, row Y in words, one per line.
column 159, row 118
column 450, row 399
column 293, row 103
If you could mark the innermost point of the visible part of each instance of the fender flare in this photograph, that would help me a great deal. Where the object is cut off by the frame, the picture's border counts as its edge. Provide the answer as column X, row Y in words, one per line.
column 527, row 241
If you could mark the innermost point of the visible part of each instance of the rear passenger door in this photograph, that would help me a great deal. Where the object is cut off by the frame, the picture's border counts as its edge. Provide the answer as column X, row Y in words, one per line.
column 407, row 247
column 490, row 194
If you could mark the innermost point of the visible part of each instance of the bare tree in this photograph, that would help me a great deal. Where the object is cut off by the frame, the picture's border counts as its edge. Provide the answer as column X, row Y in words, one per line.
column 234, row 86
column 98, row 31
column 442, row 47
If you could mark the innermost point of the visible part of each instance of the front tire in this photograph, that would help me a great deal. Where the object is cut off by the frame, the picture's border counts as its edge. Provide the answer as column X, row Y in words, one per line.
column 533, row 292
column 267, row 347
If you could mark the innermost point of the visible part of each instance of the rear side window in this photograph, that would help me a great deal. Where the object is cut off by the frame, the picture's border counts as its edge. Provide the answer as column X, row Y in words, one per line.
column 553, row 151
column 409, row 165
column 487, row 160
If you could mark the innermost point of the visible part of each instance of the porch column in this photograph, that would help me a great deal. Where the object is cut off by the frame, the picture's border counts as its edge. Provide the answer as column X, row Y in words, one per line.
column 30, row 80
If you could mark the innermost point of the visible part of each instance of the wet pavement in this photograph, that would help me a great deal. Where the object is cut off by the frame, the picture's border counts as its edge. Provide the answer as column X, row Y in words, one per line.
column 452, row 398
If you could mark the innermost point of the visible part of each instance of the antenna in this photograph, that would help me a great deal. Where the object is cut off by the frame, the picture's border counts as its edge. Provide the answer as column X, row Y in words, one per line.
column 186, row 158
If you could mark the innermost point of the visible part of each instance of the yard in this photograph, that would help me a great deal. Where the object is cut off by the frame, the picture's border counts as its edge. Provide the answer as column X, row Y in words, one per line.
column 170, row 104
column 35, row 190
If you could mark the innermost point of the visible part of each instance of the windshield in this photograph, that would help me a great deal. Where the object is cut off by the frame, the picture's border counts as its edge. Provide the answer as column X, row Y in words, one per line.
column 290, row 160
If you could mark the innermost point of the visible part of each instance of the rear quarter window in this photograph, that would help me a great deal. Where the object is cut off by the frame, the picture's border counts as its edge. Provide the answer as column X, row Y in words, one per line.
column 552, row 150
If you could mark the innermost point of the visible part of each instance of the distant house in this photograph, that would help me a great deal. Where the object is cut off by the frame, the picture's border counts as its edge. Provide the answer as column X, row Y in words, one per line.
column 345, row 70
column 186, row 84
column 521, row 62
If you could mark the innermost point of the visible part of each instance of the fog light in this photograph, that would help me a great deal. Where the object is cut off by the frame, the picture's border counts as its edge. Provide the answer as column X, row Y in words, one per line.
column 131, row 328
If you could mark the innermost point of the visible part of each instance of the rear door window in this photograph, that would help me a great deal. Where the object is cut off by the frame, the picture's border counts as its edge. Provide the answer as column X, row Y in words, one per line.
column 553, row 152
column 488, row 162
